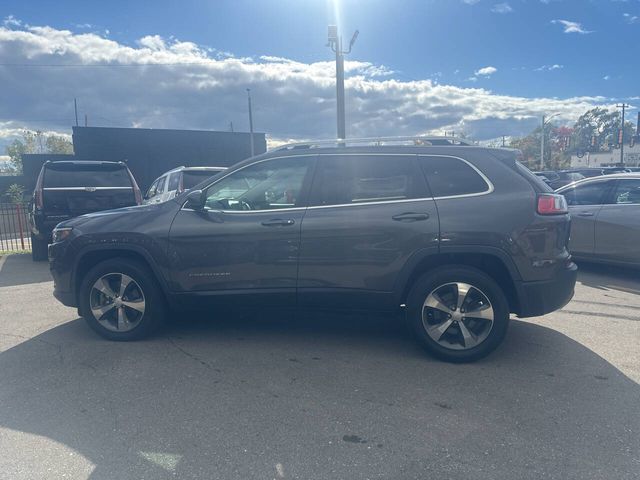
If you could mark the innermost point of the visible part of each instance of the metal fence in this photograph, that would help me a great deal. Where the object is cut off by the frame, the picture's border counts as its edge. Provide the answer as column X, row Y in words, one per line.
column 14, row 227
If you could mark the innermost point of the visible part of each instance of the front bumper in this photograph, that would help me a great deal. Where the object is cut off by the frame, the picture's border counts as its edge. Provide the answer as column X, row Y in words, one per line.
column 540, row 298
column 60, row 266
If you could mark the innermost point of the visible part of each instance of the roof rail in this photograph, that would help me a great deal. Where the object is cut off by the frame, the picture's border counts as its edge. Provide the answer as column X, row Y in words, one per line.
column 377, row 141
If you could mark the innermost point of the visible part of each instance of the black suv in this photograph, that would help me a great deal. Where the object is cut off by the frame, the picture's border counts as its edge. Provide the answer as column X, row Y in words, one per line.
column 68, row 189
column 458, row 236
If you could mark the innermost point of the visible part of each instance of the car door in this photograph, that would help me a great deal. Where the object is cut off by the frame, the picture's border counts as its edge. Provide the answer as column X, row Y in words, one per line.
column 368, row 214
column 247, row 238
column 617, row 234
column 585, row 201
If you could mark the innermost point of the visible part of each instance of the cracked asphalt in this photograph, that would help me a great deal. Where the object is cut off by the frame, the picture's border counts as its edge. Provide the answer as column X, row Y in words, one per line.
column 317, row 396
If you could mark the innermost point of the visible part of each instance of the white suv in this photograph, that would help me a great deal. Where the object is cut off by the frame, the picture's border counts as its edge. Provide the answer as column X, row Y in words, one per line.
column 177, row 181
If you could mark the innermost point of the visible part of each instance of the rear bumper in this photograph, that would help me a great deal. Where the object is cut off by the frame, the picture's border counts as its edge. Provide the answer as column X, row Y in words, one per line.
column 540, row 298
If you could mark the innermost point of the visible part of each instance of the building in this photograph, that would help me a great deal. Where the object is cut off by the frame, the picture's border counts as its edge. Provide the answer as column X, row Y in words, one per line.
column 608, row 158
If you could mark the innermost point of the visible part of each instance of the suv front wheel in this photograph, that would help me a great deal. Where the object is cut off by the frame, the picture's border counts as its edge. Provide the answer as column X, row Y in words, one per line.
column 121, row 300
column 458, row 313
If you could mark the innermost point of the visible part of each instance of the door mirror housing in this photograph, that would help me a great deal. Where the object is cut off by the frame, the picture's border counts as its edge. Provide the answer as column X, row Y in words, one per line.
column 195, row 200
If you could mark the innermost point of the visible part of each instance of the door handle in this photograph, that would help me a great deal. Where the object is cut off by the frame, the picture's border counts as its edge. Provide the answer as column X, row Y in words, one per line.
column 410, row 217
column 585, row 214
column 278, row 222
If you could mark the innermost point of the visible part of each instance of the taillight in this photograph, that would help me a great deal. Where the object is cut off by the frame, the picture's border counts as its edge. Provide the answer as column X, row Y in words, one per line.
column 39, row 203
column 552, row 204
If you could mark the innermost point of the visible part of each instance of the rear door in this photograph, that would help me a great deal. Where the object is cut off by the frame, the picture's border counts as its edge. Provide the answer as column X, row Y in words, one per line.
column 585, row 201
column 71, row 189
column 368, row 214
column 617, row 228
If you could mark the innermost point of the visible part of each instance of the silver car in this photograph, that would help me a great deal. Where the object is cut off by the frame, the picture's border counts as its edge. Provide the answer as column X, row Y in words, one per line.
column 605, row 218
column 177, row 181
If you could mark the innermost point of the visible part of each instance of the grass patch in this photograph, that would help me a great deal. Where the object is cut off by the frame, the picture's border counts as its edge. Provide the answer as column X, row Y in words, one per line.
column 14, row 252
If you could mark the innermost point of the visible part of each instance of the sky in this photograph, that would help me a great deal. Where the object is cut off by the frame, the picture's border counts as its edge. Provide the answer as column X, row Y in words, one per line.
column 483, row 67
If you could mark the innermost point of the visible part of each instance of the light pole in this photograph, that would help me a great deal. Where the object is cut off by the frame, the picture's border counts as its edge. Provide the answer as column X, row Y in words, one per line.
column 544, row 123
column 250, row 120
column 621, row 137
column 335, row 42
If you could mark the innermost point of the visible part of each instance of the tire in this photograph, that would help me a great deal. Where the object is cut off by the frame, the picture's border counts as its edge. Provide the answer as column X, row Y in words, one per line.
column 461, row 338
column 39, row 249
column 138, row 313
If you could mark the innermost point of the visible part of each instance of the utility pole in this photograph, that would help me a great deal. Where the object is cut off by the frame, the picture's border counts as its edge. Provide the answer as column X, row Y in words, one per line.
column 86, row 120
column 335, row 42
column 544, row 124
column 621, row 136
column 75, row 108
column 502, row 141
column 250, row 121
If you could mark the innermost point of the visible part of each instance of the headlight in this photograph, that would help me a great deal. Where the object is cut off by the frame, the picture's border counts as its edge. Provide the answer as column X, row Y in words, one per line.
column 61, row 234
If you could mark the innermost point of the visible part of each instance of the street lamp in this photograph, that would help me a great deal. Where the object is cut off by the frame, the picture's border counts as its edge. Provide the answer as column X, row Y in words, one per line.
column 544, row 124
column 335, row 42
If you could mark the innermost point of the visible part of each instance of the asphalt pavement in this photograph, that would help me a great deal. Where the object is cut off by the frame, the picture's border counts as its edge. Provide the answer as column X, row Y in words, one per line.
column 317, row 396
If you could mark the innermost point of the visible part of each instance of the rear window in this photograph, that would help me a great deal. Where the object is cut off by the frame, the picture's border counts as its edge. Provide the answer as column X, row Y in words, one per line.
column 448, row 176
column 61, row 176
column 190, row 178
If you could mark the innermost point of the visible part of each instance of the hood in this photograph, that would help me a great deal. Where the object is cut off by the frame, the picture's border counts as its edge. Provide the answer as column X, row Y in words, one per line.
column 110, row 214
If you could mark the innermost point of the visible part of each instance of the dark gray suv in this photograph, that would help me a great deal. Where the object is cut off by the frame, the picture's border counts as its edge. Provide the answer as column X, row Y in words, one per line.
column 457, row 235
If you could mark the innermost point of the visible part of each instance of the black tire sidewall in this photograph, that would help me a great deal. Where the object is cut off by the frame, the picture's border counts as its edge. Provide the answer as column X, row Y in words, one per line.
column 39, row 249
column 458, row 273
column 155, row 305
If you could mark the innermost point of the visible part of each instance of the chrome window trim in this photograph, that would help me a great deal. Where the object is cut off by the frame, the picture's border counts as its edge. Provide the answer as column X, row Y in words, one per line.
column 490, row 187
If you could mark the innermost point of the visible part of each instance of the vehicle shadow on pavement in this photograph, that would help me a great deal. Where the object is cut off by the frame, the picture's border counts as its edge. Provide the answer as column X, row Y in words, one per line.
column 607, row 277
column 21, row 270
column 316, row 396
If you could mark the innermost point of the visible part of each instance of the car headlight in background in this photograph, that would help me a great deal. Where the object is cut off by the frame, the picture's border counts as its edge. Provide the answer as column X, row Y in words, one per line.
column 60, row 234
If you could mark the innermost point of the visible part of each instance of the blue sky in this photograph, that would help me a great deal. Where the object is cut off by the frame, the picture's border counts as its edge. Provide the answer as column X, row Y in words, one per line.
column 581, row 51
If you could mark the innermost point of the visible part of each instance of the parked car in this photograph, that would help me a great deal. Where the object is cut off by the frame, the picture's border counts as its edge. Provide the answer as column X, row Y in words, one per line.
column 459, row 236
column 176, row 181
column 605, row 215
column 68, row 189
column 588, row 172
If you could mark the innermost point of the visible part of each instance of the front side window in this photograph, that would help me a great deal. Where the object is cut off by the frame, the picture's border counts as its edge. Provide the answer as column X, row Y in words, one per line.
column 345, row 180
column 589, row 194
column 627, row 192
column 448, row 177
column 161, row 182
column 271, row 184
column 152, row 190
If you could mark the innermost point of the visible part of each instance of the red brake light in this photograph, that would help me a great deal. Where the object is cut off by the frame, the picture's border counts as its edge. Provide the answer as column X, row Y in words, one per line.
column 552, row 204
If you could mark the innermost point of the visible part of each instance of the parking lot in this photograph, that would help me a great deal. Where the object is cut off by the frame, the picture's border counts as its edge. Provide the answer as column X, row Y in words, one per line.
column 317, row 396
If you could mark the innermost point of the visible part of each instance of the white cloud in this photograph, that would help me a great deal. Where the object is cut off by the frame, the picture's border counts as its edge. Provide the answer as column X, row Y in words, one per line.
column 470, row 2
column 486, row 71
column 606, row 77
column 502, row 8
column 631, row 18
column 549, row 68
column 184, row 85
column 11, row 21
column 571, row 27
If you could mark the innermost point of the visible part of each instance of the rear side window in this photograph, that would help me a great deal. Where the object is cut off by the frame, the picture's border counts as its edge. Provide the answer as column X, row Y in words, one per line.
column 448, row 176
column 589, row 194
column 61, row 176
column 627, row 192
column 174, row 182
column 344, row 180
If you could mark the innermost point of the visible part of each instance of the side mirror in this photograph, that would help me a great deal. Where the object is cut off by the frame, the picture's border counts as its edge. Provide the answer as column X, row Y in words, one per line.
column 195, row 200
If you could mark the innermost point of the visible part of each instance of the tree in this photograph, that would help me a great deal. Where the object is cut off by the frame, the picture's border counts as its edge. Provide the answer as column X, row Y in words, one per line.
column 15, row 193
column 601, row 125
column 36, row 142
column 556, row 153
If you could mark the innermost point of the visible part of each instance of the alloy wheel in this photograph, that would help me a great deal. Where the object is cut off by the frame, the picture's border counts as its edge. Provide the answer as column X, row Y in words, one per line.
column 117, row 302
column 457, row 316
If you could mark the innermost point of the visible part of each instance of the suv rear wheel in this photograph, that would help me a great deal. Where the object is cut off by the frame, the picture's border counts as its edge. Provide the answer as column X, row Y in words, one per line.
column 458, row 313
column 121, row 300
